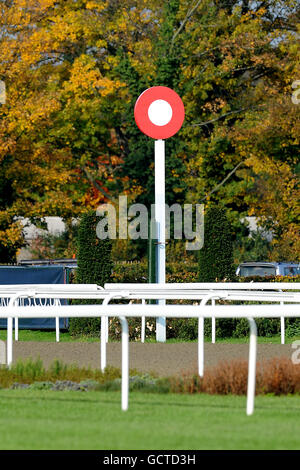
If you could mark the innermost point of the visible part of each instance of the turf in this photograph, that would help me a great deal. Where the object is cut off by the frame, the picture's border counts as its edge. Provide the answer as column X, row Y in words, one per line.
column 40, row 335
column 94, row 420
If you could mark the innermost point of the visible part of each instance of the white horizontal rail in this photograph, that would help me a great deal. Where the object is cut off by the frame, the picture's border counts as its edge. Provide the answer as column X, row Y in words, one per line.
column 135, row 290
column 168, row 294
column 50, row 287
column 176, row 311
column 204, row 286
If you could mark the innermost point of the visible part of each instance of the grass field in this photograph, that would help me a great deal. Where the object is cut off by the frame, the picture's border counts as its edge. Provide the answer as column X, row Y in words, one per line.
column 40, row 335
column 93, row 420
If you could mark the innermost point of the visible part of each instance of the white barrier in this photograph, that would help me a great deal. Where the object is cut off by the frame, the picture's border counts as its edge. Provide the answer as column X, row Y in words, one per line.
column 204, row 285
column 205, row 288
column 186, row 291
column 175, row 311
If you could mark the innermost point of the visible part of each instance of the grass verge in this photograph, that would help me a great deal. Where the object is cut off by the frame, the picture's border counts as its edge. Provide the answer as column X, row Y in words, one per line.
column 46, row 335
column 71, row 420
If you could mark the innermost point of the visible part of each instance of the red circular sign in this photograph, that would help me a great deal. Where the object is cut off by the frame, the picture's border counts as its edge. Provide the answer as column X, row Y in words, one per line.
column 159, row 112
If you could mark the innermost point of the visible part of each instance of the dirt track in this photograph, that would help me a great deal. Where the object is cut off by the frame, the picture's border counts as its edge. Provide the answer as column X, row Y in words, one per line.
column 163, row 359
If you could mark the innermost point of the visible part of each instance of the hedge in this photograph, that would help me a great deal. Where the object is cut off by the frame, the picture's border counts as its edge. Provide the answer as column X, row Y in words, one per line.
column 94, row 267
column 216, row 255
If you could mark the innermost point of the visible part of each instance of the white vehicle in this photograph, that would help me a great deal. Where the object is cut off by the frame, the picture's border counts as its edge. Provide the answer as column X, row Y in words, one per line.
column 256, row 268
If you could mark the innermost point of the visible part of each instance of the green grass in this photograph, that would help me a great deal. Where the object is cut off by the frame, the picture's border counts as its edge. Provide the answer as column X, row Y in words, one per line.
column 94, row 420
column 40, row 335
column 45, row 335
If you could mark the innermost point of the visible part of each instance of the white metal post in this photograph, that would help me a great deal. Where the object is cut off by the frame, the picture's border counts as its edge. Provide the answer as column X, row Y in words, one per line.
column 201, row 346
column 9, row 340
column 16, row 329
column 9, row 350
column 143, row 325
column 282, row 325
column 282, row 328
column 125, row 363
column 251, row 367
column 103, row 336
column 160, row 219
column 201, row 337
column 16, row 320
column 57, row 329
column 104, row 333
column 103, row 344
column 213, row 325
column 57, row 332
column 106, row 328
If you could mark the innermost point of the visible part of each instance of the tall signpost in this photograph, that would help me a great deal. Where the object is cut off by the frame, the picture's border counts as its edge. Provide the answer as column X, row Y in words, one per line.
column 159, row 113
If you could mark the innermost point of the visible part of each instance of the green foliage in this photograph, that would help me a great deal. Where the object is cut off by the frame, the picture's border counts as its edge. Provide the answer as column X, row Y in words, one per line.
column 139, row 159
column 270, row 279
column 216, row 255
column 139, row 383
column 48, row 245
column 252, row 248
column 84, row 326
column 130, row 271
column 134, row 328
column 182, row 328
column 265, row 327
column 94, row 255
column 292, row 327
column 68, row 139
column 30, row 371
column 94, row 267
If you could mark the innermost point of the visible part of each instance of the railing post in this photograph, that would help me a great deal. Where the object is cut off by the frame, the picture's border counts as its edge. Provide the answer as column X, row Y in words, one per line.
column 251, row 367
column 143, row 325
column 57, row 332
column 9, row 350
column 201, row 346
column 16, row 329
column 213, row 325
column 104, row 332
column 103, row 336
column 282, row 325
column 103, row 344
column 282, row 328
column 125, row 363
column 201, row 336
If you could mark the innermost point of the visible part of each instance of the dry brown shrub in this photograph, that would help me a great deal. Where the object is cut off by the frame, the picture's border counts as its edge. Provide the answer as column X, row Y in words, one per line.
column 227, row 378
column 278, row 376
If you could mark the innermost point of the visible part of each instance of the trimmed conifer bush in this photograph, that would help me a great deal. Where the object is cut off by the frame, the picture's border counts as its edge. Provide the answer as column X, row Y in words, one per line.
column 216, row 255
column 94, row 267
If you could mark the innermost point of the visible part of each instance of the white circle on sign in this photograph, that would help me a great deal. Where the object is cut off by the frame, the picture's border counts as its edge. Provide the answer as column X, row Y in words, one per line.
column 160, row 112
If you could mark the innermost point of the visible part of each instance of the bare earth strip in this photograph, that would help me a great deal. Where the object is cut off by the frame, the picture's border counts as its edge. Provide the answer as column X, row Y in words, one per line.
column 163, row 359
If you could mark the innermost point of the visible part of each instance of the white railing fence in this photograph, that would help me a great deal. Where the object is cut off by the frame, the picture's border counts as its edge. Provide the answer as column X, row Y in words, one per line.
column 172, row 311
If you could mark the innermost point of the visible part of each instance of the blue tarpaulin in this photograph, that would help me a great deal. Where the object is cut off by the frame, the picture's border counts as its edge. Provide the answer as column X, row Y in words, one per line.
column 33, row 275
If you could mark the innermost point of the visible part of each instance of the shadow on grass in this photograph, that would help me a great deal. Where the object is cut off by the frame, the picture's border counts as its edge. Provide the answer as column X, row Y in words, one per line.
column 174, row 403
column 102, row 399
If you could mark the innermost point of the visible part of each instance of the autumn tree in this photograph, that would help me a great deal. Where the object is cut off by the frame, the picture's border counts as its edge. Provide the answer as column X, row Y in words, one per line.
column 59, row 141
column 241, row 60
column 73, row 71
